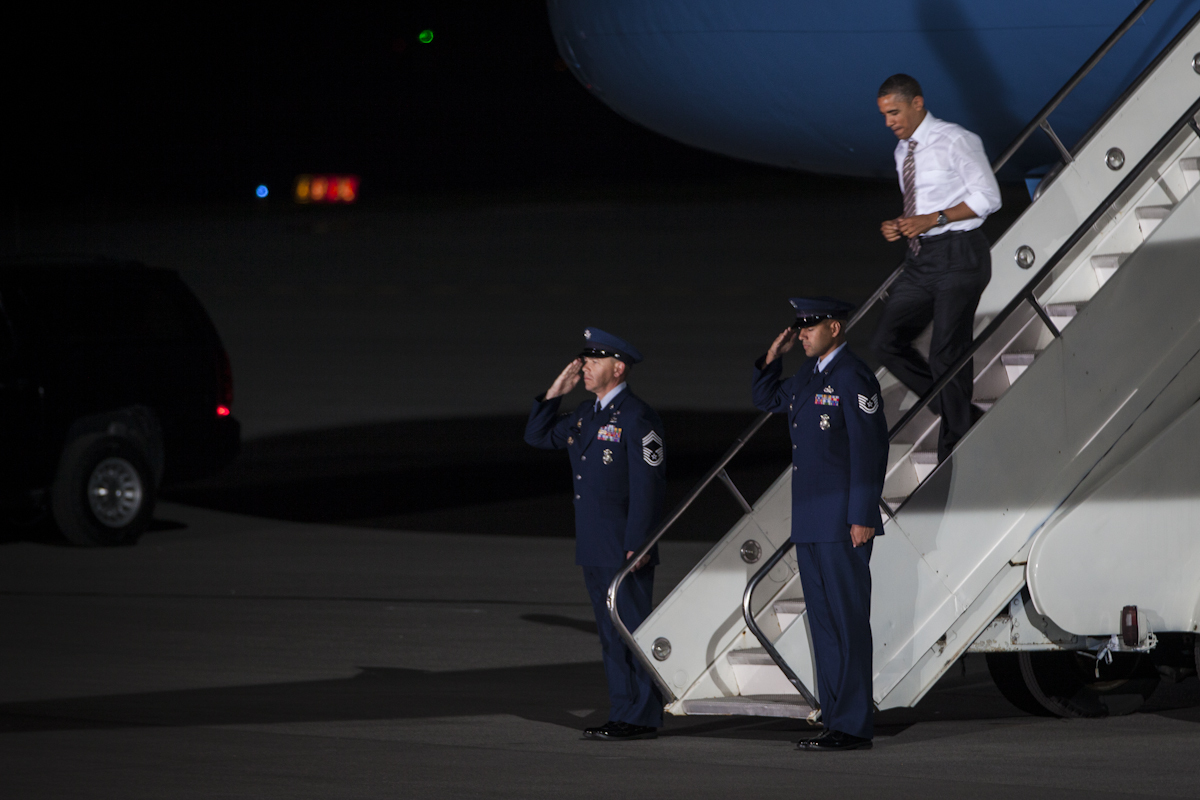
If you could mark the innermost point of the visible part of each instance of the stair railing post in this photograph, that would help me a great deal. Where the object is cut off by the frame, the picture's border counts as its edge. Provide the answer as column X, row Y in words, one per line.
column 768, row 645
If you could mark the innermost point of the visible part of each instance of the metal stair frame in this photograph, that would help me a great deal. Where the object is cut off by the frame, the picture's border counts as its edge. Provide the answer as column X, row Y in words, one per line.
column 973, row 607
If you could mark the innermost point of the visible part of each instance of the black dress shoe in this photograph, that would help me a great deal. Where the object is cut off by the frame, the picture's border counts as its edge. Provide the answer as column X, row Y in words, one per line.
column 835, row 740
column 804, row 743
column 620, row 731
column 590, row 733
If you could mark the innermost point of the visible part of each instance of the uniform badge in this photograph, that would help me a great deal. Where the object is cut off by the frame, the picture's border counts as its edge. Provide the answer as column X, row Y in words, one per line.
column 570, row 440
column 612, row 420
column 609, row 433
column 607, row 457
column 868, row 405
column 824, row 422
column 587, row 333
column 827, row 400
column 828, row 390
column 579, row 423
column 652, row 449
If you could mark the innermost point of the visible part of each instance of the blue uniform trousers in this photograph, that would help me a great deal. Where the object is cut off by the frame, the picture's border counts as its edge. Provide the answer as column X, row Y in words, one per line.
column 632, row 694
column 836, row 577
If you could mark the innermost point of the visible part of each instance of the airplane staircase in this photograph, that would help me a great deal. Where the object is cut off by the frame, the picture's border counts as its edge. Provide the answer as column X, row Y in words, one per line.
column 1089, row 321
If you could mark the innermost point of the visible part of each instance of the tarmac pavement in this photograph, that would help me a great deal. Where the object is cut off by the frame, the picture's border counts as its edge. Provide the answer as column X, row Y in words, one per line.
column 233, row 656
column 379, row 355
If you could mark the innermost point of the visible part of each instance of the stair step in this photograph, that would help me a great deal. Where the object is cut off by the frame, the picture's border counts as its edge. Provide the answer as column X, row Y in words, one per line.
column 1150, row 217
column 985, row 403
column 1107, row 265
column 1015, row 364
column 762, row 705
column 757, row 674
column 1191, row 171
column 924, row 462
column 788, row 611
column 1061, row 314
column 751, row 656
column 789, row 607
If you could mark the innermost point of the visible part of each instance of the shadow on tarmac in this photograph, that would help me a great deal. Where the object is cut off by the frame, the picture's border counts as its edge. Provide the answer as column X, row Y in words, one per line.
column 472, row 475
column 542, row 693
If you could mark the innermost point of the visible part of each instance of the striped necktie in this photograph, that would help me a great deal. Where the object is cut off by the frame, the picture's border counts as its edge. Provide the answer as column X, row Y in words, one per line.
column 910, row 192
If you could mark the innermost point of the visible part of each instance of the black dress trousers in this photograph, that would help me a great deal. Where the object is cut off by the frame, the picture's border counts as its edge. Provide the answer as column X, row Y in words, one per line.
column 941, row 284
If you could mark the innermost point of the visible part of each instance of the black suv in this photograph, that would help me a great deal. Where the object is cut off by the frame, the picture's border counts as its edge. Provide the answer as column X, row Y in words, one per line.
column 112, row 381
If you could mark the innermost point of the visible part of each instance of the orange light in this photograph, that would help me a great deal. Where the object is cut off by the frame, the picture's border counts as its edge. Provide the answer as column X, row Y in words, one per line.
column 326, row 188
column 223, row 411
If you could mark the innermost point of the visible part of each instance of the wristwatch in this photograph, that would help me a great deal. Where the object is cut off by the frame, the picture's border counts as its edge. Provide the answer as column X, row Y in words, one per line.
column 941, row 219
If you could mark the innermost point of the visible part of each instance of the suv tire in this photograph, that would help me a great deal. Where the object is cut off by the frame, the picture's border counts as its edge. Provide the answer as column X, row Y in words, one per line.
column 104, row 491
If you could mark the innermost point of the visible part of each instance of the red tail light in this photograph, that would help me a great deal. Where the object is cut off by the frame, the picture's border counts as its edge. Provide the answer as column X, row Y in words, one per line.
column 224, row 384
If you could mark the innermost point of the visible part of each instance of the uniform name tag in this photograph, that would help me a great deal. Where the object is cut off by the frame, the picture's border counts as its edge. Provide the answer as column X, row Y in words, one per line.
column 609, row 433
column 828, row 400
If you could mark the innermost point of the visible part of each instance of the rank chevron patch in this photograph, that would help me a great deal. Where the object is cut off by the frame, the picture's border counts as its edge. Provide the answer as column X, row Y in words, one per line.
column 652, row 449
column 869, row 405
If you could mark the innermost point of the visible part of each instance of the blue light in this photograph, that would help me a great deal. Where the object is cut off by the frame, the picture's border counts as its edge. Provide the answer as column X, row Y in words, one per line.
column 261, row 191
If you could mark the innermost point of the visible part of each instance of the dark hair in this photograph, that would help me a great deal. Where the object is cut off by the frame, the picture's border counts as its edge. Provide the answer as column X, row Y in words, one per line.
column 901, row 85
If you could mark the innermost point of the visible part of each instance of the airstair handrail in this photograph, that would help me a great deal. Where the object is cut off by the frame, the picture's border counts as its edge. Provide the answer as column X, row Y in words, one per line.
column 1027, row 293
column 718, row 470
column 1040, row 120
column 768, row 645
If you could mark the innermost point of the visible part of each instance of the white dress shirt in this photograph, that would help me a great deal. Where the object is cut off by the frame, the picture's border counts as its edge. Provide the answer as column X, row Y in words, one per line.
column 821, row 362
column 951, row 168
column 608, row 398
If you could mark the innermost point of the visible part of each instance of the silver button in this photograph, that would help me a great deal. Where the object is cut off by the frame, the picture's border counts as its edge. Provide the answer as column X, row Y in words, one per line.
column 793, row 447
column 793, row 469
column 583, row 458
column 793, row 424
column 578, row 477
column 576, row 497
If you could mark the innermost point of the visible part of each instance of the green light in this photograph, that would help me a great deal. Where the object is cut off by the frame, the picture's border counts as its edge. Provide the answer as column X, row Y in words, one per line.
column 426, row 36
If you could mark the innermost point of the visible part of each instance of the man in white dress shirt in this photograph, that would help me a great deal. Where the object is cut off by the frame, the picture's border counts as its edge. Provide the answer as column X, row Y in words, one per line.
column 949, row 190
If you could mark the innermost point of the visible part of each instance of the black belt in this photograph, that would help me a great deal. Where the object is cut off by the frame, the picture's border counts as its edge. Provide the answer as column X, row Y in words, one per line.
column 947, row 235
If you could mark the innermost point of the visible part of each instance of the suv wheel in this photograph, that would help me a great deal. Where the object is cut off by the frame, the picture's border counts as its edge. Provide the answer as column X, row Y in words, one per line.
column 104, row 491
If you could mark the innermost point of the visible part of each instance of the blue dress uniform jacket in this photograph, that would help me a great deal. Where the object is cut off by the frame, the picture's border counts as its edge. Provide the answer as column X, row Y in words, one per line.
column 839, row 458
column 839, row 443
column 618, row 471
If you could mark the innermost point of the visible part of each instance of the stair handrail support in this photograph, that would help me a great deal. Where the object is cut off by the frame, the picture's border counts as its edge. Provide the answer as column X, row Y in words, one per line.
column 1026, row 294
column 714, row 473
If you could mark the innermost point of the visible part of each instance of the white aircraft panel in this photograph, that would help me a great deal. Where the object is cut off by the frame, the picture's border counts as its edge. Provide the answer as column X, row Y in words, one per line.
column 1135, row 541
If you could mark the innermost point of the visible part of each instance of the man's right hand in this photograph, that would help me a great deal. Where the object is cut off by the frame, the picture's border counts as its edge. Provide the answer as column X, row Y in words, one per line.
column 566, row 380
column 891, row 229
column 782, row 344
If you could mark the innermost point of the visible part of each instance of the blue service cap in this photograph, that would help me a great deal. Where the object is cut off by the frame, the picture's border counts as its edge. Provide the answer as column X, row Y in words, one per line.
column 599, row 344
column 811, row 310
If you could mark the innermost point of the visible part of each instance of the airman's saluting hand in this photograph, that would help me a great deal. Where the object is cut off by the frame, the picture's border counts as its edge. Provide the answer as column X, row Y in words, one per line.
column 566, row 380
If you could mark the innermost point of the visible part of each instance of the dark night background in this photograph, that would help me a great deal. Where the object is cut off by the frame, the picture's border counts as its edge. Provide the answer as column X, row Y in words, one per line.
column 357, row 606
column 201, row 104
column 488, row 173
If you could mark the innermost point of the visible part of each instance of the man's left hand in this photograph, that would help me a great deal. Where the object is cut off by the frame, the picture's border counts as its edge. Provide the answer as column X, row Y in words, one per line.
column 859, row 535
column 915, row 226
column 641, row 562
